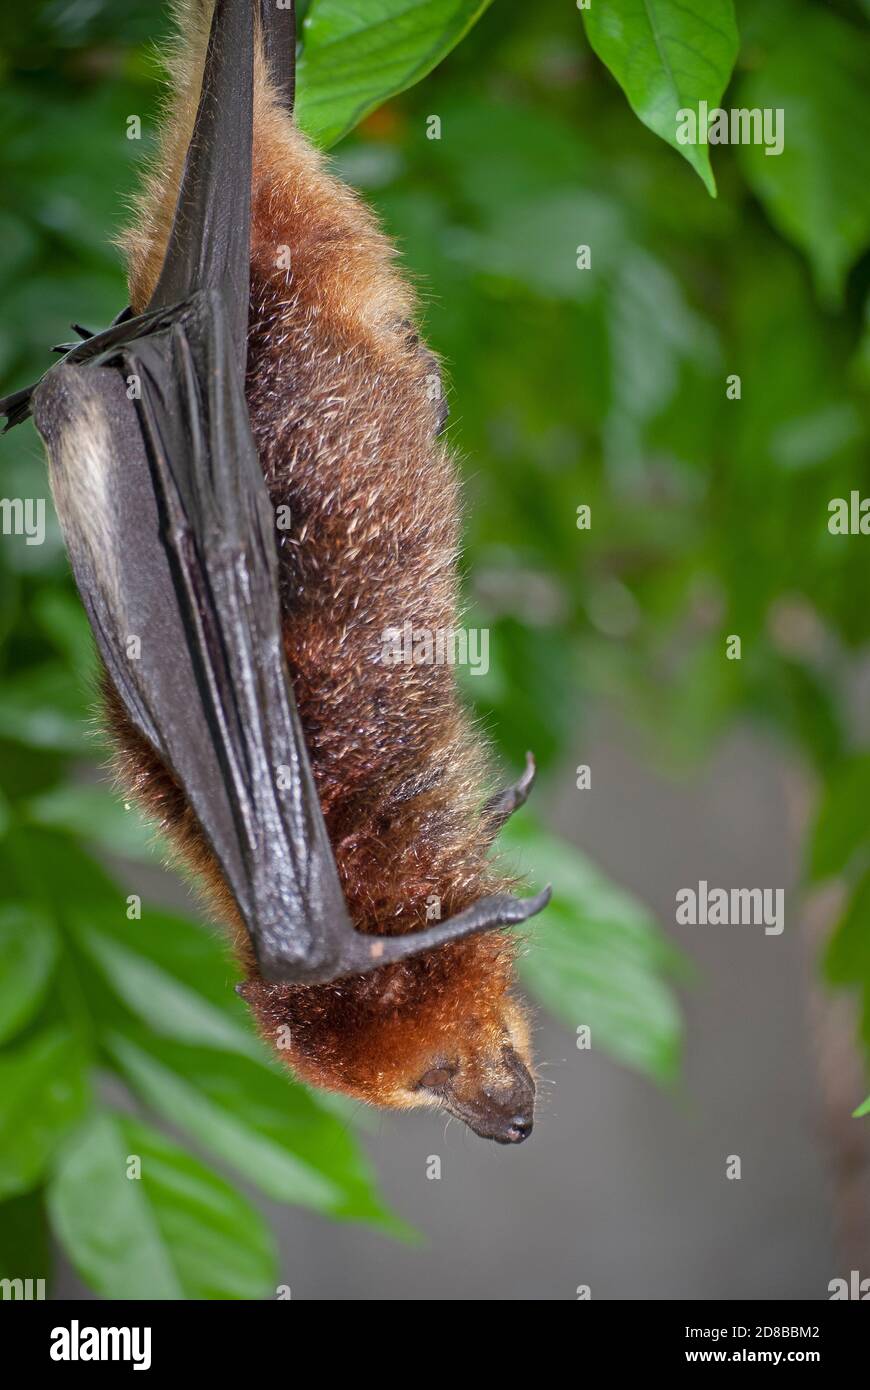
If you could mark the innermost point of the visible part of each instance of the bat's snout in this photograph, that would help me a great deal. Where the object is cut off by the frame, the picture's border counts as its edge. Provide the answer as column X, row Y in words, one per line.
column 500, row 1107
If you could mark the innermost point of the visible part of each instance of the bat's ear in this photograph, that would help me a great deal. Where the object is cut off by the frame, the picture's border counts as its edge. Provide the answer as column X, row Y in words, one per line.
column 278, row 28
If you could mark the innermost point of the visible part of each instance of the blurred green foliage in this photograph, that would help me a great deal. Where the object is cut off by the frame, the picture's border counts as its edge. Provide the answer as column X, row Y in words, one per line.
column 603, row 387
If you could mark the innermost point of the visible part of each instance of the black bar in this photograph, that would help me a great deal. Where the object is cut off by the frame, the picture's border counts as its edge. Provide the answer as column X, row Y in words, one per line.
column 259, row 1338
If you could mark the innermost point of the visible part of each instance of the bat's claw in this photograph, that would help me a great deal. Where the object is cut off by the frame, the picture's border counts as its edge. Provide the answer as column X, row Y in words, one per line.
column 501, row 807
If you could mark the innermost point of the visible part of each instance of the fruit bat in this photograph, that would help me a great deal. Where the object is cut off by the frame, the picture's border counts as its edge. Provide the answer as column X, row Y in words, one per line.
column 333, row 804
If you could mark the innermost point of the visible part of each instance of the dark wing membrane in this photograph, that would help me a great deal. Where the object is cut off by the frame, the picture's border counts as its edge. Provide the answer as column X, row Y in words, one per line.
column 219, row 534
column 169, row 532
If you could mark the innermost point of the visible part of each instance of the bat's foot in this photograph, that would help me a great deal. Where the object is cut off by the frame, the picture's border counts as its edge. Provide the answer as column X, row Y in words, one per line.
column 500, row 910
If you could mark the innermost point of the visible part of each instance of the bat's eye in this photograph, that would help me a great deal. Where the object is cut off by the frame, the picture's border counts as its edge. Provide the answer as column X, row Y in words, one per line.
column 437, row 1078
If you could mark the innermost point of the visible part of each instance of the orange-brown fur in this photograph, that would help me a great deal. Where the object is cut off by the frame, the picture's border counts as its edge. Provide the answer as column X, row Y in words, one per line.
column 345, row 429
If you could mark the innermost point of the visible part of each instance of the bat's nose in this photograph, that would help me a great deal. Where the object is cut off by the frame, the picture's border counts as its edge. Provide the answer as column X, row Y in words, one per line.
column 505, row 1126
column 519, row 1129
column 512, row 1123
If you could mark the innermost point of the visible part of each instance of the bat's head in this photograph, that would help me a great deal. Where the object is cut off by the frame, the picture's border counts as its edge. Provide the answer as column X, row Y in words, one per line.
column 441, row 1030
column 484, row 1079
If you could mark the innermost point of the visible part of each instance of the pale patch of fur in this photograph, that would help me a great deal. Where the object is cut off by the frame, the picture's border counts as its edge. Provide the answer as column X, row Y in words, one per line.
column 81, row 465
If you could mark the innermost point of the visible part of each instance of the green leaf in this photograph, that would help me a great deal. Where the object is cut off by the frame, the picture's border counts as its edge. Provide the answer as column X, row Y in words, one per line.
column 863, row 1109
column 174, row 975
column 354, row 57
column 164, row 1003
column 596, row 957
column 20, row 243
column 61, row 617
column 24, row 772
column 24, row 1248
column 42, row 1094
column 256, row 1120
column 96, row 814
column 28, row 951
column 817, row 191
column 841, row 826
column 667, row 55
column 847, row 958
column 654, row 334
column 535, row 242
column 178, row 1231
column 45, row 709
column 195, row 956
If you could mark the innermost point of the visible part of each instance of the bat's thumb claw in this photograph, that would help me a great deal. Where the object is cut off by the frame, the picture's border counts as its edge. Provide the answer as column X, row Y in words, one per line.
column 530, row 907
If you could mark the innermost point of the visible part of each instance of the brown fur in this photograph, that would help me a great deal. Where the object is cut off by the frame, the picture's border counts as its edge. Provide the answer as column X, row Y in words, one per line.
column 345, row 429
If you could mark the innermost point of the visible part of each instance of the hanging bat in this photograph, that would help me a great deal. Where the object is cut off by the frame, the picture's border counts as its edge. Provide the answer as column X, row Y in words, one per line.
column 325, row 798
